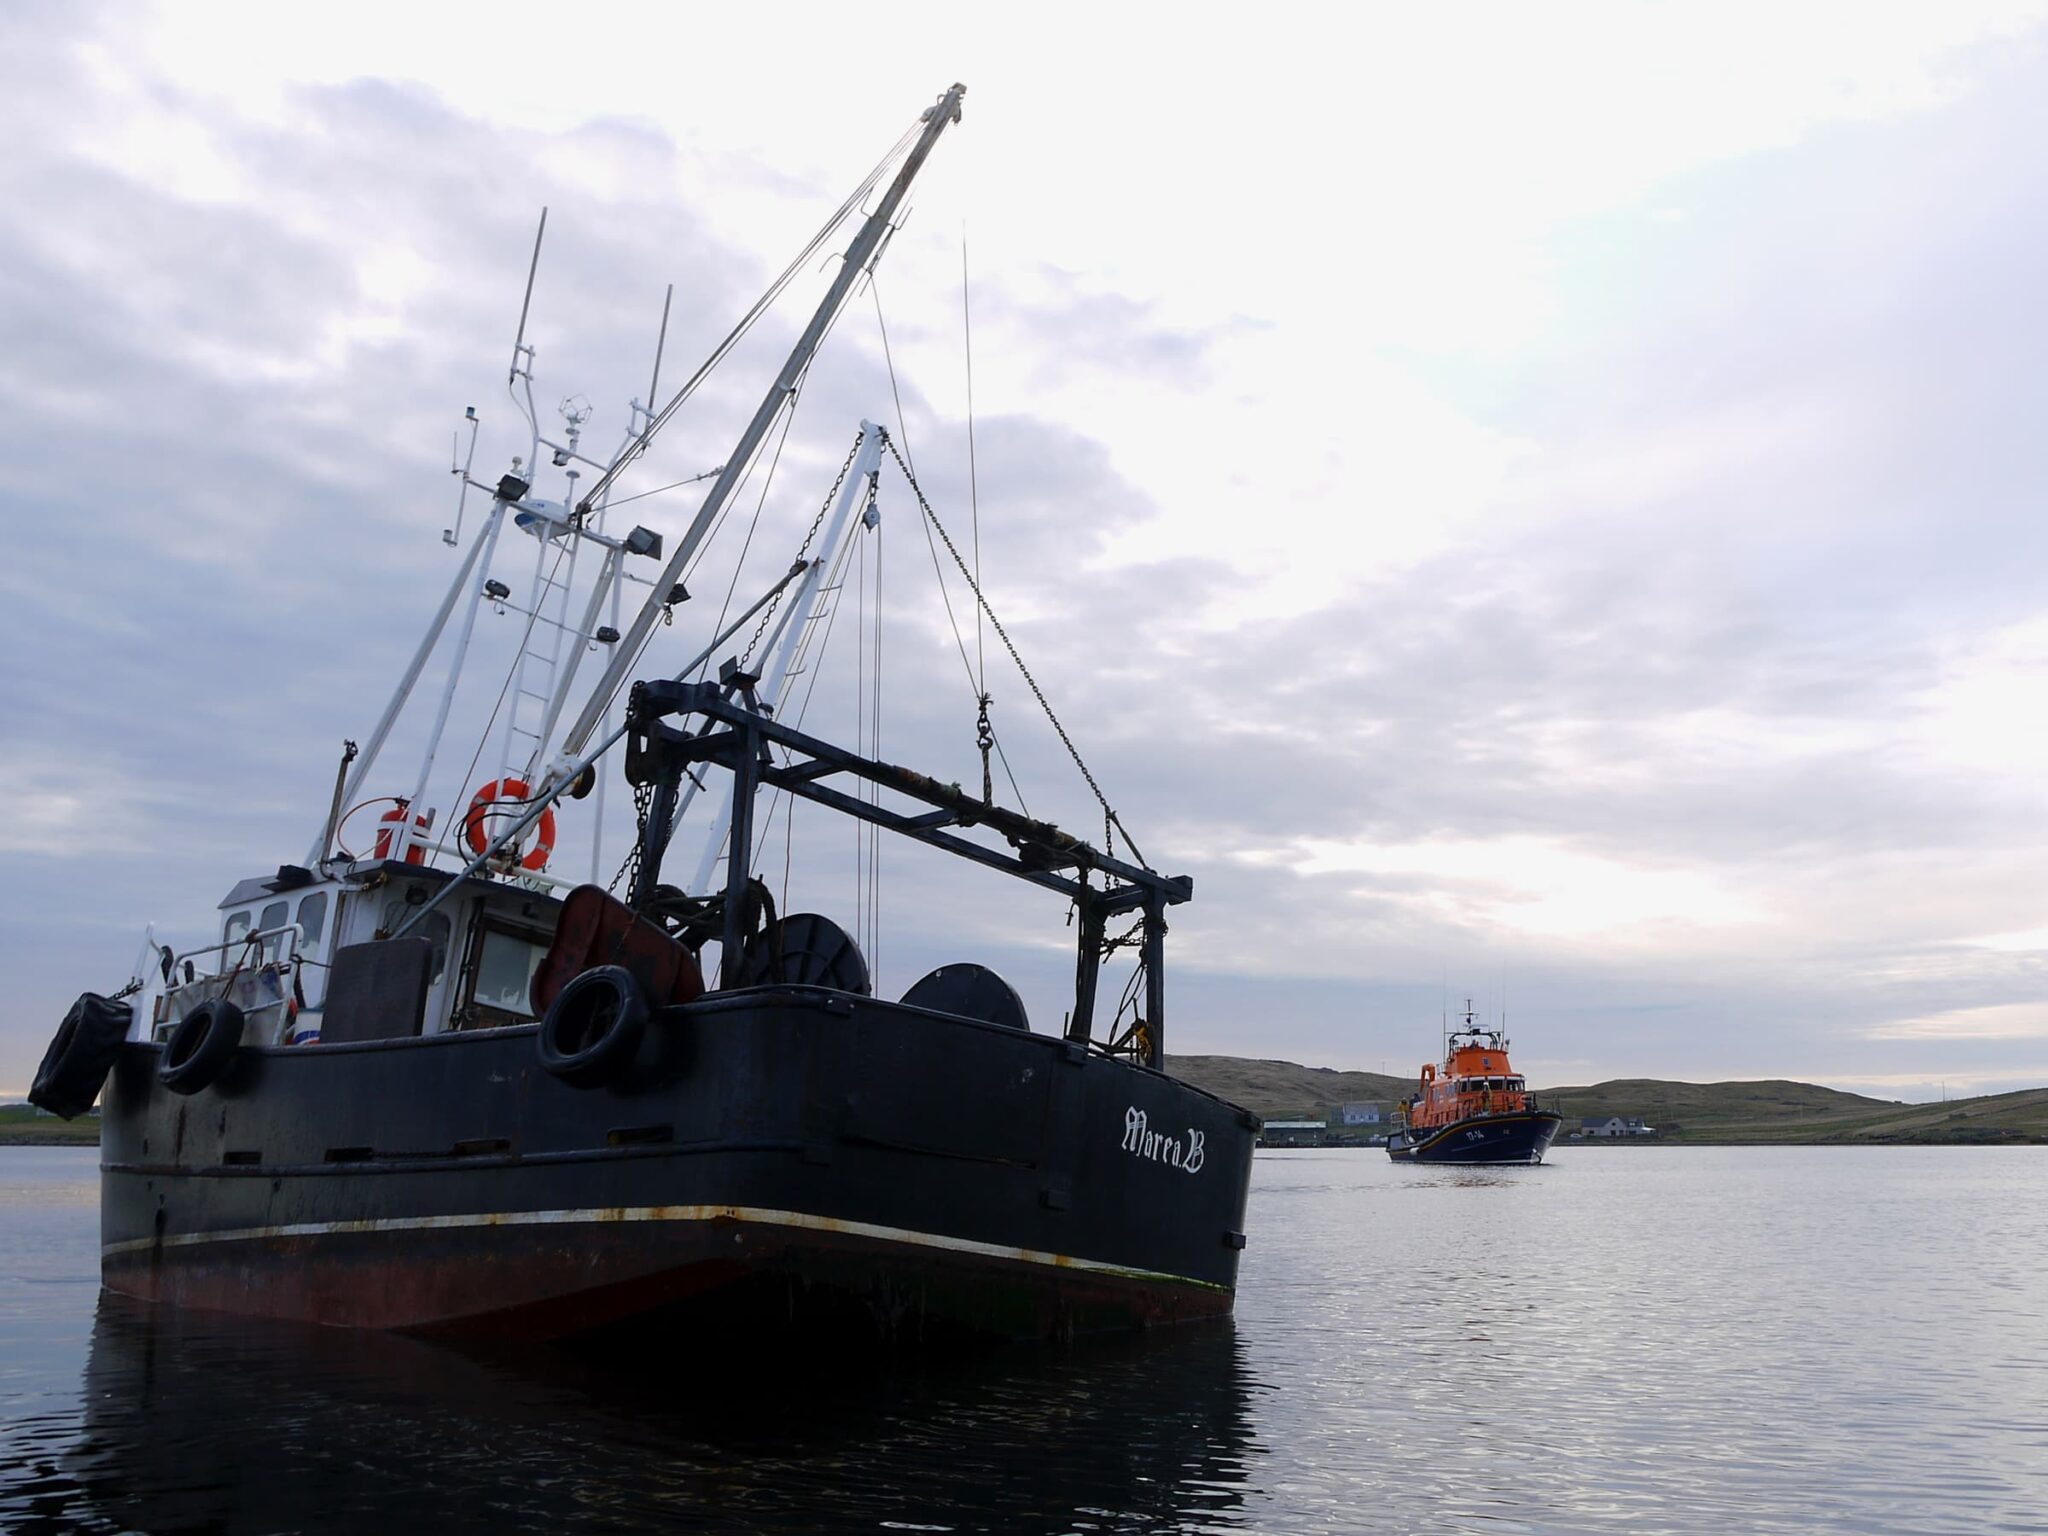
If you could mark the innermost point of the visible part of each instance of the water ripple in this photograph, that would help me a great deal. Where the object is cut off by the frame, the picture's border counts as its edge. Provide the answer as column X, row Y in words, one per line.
column 1648, row 1340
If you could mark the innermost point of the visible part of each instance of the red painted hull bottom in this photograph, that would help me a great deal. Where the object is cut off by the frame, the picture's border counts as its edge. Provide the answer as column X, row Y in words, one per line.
column 707, row 1279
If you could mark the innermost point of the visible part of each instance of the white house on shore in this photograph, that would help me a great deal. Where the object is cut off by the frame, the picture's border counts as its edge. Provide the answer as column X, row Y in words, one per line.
column 1613, row 1126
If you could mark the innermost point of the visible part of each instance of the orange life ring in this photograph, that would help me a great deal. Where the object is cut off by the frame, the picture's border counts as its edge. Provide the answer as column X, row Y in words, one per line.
column 536, row 858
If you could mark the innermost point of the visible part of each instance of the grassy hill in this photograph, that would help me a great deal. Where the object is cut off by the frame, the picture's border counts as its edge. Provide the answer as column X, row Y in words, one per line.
column 1768, row 1111
column 20, row 1126
column 1736, row 1107
column 1283, row 1090
column 1789, row 1112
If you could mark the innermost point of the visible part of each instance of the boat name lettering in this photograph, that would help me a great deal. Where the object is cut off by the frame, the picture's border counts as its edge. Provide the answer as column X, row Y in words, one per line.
column 1142, row 1141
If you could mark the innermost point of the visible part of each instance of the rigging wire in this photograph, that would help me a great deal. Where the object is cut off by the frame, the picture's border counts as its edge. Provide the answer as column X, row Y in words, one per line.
column 860, row 744
column 673, row 485
column 867, row 696
column 973, row 477
column 599, row 493
column 484, row 737
column 794, row 398
column 690, row 570
column 888, row 357
column 811, row 533
column 809, row 658
column 945, row 593
column 603, row 484
column 874, row 947
column 984, row 731
column 1112, row 823
column 858, row 196
column 767, row 617
column 802, row 663
column 754, row 523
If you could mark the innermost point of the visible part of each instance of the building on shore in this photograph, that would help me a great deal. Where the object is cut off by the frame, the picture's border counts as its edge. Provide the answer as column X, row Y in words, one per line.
column 1613, row 1127
column 1293, row 1133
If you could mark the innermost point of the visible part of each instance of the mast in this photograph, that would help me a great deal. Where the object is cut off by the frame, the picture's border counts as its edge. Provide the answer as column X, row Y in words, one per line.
column 626, row 653
column 486, row 540
column 798, row 616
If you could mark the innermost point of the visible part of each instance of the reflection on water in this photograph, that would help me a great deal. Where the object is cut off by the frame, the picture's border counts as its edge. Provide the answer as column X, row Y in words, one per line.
column 196, row 1423
column 1628, row 1341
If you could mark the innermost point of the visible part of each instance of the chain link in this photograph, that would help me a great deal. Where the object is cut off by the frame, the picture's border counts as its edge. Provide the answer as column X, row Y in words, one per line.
column 643, row 802
column 768, row 613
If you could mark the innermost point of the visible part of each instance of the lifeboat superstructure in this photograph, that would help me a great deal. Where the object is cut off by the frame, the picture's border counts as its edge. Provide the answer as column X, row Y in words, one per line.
column 1476, row 1109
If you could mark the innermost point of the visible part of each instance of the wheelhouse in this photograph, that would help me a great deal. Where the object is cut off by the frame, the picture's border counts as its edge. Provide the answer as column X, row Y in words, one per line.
column 280, row 935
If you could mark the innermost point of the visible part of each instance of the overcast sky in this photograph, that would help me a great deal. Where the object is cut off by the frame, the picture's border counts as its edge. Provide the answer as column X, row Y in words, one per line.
column 1528, row 503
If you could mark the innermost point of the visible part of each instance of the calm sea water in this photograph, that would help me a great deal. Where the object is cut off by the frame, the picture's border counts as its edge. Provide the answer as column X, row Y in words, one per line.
column 1631, row 1339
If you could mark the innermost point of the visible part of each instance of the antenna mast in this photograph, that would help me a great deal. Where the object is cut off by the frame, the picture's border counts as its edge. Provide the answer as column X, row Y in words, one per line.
column 660, row 345
column 525, row 304
column 626, row 653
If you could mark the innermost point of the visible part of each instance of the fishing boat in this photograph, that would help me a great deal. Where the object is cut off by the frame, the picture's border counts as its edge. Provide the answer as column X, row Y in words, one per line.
column 419, row 1079
column 1477, row 1109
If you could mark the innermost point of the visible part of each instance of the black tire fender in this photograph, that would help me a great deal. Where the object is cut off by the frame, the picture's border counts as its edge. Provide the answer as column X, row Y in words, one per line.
column 200, row 1048
column 594, row 1027
column 80, row 1055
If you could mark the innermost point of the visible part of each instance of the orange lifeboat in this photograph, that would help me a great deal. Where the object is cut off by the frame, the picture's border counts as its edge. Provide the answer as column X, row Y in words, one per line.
column 1477, row 1109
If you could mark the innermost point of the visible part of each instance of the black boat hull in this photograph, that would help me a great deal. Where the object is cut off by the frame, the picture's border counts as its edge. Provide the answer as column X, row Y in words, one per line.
column 1520, row 1138
column 785, row 1152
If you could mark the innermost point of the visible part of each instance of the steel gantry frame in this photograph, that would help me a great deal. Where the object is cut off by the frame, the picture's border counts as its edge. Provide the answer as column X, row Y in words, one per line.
column 735, row 736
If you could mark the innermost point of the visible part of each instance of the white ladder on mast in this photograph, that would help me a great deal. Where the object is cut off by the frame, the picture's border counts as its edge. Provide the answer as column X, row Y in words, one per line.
column 811, row 604
column 529, row 710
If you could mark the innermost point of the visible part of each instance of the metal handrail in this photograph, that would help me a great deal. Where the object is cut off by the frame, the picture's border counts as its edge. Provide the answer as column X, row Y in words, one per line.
column 221, row 983
column 254, row 939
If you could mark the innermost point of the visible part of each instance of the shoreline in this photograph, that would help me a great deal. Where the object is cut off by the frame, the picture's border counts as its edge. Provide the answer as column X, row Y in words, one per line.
column 2015, row 1140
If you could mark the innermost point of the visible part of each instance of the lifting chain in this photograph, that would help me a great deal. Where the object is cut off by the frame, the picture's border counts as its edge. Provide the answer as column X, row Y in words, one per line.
column 643, row 802
column 1110, row 819
column 1135, row 934
column 768, row 613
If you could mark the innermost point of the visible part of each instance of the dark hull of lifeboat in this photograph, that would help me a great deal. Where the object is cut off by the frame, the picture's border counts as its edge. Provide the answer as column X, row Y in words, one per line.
column 781, row 1156
column 1480, row 1139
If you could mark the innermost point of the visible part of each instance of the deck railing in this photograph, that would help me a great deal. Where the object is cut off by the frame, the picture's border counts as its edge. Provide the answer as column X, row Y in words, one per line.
column 258, row 981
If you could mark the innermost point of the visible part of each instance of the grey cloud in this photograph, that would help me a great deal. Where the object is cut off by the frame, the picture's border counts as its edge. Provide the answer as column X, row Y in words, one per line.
column 230, row 563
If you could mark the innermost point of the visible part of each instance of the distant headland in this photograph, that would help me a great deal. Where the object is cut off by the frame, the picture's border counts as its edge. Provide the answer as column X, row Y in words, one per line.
column 1772, row 1111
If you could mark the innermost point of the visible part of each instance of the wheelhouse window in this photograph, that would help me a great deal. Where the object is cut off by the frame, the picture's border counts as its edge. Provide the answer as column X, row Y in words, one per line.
column 506, row 960
column 236, row 927
column 275, row 916
column 312, row 918
column 433, row 926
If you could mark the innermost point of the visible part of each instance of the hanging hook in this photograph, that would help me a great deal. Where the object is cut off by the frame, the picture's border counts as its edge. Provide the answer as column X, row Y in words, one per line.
column 985, row 737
